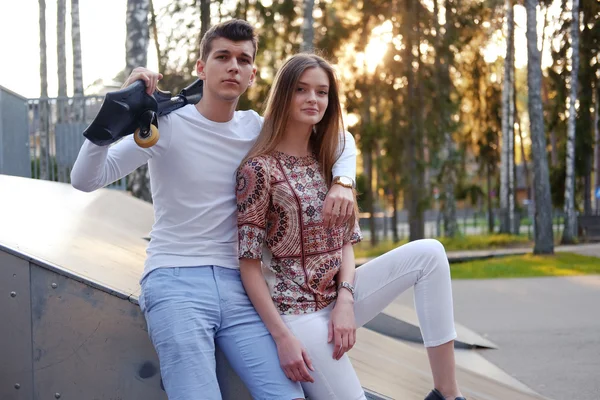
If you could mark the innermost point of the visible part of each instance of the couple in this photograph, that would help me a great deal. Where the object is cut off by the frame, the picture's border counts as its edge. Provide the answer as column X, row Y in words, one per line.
column 285, row 327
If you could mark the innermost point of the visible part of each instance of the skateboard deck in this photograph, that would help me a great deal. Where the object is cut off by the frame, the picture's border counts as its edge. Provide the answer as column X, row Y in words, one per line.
column 132, row 111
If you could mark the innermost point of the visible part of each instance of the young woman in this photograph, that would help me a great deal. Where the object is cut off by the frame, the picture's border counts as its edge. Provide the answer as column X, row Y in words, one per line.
column 308, row 291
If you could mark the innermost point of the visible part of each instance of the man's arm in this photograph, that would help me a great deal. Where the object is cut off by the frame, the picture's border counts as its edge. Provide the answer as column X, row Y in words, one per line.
column 98, row 166
column 346, row 163
column 339, row 203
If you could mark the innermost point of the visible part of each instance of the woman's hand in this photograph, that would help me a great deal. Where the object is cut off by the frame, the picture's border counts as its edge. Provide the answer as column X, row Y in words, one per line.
column 294, row 359
column 342, row 326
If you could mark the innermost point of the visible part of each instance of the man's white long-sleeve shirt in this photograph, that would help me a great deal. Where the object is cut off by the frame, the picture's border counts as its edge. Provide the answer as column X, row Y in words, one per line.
column 192, row 179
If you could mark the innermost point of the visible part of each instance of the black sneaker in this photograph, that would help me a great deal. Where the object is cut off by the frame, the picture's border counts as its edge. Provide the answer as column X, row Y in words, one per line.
column 436, row 395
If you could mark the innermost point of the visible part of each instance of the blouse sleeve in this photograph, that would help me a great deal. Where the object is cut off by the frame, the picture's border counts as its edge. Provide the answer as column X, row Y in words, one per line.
column 354, row 235
column 253, row 194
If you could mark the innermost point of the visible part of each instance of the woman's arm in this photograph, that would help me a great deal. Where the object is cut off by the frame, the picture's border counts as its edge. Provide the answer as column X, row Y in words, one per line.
column 342, row 325
column 292, row 356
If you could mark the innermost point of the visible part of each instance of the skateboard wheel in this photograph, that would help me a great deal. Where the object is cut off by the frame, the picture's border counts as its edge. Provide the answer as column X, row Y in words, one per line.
column 149, row 141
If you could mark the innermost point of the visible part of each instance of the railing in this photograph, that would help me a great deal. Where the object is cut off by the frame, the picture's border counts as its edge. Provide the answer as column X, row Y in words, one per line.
column 55, row 135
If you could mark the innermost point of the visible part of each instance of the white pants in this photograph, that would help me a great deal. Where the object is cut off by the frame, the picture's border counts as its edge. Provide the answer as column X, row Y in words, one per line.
column 422, row 264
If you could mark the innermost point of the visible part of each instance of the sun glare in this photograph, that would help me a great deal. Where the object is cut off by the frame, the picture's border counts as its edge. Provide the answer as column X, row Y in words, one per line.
column 381, row 36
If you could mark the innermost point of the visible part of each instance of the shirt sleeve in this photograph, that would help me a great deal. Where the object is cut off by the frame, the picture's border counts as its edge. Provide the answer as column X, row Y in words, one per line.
column 253, row 194
column 354, row 235
column 346, row 163
column 98, row 166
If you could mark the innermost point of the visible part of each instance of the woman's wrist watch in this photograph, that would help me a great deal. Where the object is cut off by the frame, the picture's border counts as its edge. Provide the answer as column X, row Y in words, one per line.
column 348, row 286
column 344, row 181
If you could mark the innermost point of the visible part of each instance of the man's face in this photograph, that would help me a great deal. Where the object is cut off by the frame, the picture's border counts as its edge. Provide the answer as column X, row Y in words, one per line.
column 228, row 70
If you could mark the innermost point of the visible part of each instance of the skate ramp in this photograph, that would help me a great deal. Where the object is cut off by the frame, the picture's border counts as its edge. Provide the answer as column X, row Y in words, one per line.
column 401, row 371
column 70, row 263
column 400, row 321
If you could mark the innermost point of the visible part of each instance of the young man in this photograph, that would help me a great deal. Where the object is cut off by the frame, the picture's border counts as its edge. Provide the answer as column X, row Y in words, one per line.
column 192, row 295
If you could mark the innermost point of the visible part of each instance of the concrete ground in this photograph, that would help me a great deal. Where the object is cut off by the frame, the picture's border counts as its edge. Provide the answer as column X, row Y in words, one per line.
column 547, row 330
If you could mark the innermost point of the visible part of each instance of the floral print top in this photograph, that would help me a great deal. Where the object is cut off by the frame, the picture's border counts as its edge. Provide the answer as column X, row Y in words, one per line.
column 280, row 214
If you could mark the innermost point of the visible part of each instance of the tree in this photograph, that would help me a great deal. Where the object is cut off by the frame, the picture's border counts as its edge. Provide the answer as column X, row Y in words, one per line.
column 597, row 141
column 544, row 239
column 569, row 233
column 62, row 60
column 442, row 66
column 204, row 17
column 507, row 179
column 136, row 52
column 307, row 26
column 43, row 104
column 159, row 55
column 589, row 71
column 77, row 69
column 413, row 148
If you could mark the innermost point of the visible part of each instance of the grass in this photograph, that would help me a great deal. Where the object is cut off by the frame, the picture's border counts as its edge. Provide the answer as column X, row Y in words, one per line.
column 365, row 250
column 529, row 265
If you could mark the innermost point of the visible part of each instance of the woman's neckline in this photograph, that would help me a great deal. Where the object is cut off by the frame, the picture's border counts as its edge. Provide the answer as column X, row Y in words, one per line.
column 309, row 158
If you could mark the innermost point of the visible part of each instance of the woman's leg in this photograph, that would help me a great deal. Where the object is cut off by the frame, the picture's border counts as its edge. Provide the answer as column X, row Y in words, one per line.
column 333, row 379
column 424, row 265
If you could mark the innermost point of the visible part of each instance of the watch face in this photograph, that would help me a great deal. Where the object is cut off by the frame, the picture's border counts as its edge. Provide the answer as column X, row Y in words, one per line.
column 344, row 180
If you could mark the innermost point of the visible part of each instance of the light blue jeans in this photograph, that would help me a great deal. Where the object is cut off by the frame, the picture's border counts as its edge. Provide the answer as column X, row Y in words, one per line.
column 188, row 309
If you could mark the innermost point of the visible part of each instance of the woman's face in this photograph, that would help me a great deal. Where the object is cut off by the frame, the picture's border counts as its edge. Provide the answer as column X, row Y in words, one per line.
column 311, row 97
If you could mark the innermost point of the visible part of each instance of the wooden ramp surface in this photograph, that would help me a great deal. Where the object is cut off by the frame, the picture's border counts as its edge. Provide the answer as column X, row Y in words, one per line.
column 400, row 371
column 98, row 239
column 464, row 335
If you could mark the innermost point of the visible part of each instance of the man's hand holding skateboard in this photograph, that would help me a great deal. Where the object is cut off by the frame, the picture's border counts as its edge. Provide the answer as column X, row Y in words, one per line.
column 148, row 77
column 135, row 109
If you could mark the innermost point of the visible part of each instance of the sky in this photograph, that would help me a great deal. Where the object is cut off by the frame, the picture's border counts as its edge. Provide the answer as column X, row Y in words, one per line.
column 103, row 43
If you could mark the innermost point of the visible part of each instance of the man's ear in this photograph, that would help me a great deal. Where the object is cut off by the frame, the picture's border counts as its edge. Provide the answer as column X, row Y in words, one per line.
column 252, row 77
column 200, row 64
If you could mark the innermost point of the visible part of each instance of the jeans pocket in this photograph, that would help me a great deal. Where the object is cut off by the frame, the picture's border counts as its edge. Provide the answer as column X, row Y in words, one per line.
column 148, row 288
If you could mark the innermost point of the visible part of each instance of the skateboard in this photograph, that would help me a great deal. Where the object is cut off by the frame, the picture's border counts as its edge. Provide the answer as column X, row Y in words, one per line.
column 132, row 111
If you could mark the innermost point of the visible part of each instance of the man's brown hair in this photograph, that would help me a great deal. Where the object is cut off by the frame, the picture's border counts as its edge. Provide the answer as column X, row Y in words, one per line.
column 236, row 30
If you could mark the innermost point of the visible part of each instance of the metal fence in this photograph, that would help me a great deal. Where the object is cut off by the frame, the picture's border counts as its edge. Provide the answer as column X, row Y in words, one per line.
column 14, row 143
column 471, row 222
column 55, row 135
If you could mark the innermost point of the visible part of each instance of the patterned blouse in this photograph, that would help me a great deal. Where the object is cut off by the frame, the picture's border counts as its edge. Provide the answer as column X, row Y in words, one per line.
column 280, row 210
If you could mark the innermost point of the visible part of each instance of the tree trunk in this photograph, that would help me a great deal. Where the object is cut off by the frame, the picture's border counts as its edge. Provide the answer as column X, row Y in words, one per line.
column 415, row 220
column 138, row 182
column 395, row 236
column 522, row 142
column 587, row 186
column 136, row 46
column 553, row 149
column 204, row 17
column 307, row 26
column 490, row 213
column 570, row 234
column 421, row 136
column 442, row 61
column 159, row 56
column 544, row 239
column 507, row 156
column 79, row 104
column 597, row 144
column 62, row 60
column 43, row 105
column 368, row 165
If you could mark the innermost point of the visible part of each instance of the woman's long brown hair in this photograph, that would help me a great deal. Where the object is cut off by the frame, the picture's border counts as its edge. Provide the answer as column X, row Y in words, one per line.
column 327, row 133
